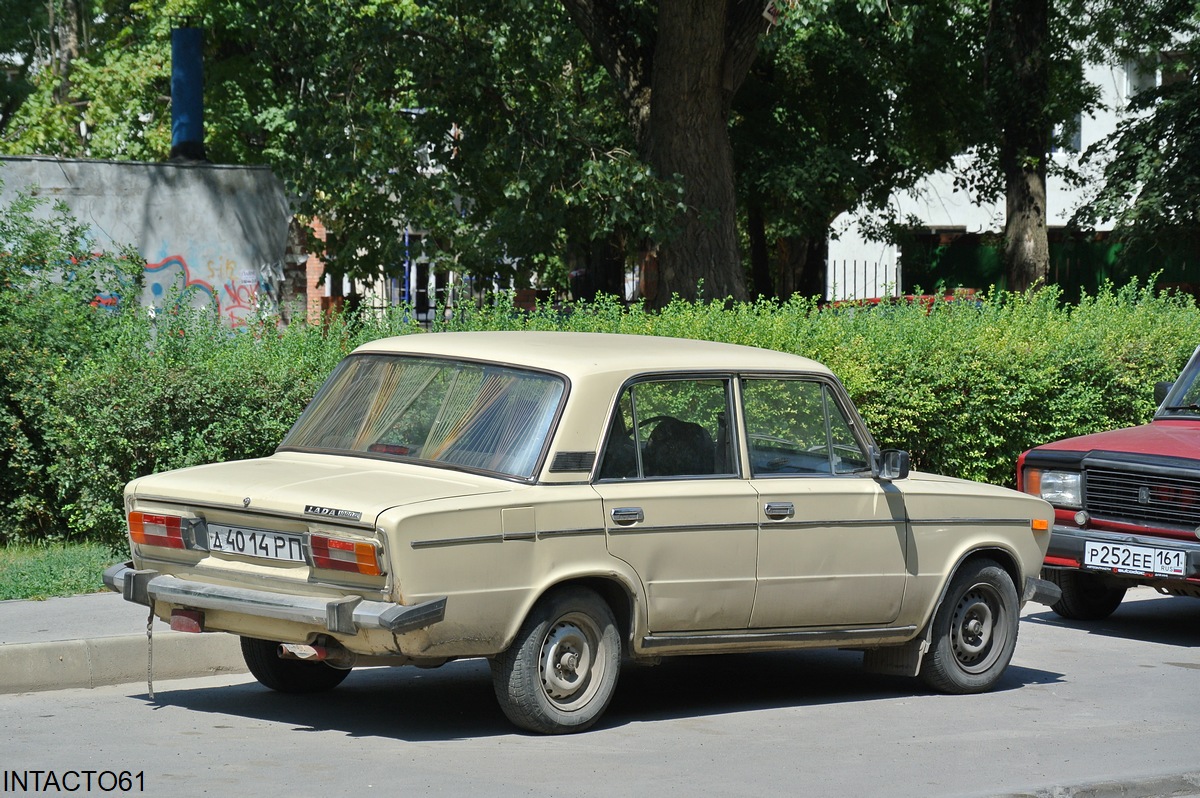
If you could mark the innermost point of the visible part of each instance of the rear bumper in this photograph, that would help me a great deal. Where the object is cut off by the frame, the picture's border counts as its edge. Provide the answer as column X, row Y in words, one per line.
column 348, row 615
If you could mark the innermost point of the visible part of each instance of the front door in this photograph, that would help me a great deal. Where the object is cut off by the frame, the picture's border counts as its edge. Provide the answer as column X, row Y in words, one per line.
column 832, row 540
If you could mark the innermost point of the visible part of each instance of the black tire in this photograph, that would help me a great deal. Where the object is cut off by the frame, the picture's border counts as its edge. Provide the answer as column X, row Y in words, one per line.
column 1085, row 597
column 561, row 671
column 288, row 675
column 974, row 630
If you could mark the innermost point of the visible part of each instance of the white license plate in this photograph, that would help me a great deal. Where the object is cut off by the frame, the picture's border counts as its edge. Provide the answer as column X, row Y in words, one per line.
column 1126, row 559
column 256, row 543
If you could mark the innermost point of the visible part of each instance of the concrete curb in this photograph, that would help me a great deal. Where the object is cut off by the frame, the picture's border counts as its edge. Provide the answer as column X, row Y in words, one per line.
column 32, row 667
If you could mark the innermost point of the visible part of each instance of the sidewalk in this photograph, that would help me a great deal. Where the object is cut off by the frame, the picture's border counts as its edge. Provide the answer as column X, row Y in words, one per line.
column 97, row 639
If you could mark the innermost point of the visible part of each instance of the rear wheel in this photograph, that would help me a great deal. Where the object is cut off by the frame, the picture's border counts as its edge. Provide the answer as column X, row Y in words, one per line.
column 1085, row 597
column 288, row 675
column 561, row 671
column 974, row 630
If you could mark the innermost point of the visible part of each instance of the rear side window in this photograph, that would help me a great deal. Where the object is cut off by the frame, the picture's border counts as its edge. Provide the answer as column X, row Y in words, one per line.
column 671, row 429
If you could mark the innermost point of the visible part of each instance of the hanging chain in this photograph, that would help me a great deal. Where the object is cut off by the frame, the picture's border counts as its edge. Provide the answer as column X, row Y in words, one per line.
column 150, row 653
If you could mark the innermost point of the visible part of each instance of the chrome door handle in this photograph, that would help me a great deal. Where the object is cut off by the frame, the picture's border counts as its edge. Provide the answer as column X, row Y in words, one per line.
column 627, row 515
column 778, row 511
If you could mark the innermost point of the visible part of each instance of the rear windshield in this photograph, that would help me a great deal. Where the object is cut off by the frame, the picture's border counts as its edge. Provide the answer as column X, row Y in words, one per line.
column 474, row 415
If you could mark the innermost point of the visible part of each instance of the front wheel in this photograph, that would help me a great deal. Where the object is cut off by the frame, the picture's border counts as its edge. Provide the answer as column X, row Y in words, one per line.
column 1085, row 597
column 288, row 675
column 974, row 630
column 561, row 671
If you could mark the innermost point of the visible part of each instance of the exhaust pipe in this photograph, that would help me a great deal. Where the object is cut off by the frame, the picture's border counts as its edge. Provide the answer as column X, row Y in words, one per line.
column 333, row 656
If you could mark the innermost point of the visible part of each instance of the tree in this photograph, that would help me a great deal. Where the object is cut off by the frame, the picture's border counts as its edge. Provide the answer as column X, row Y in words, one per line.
column 677, row 65
column 846, row 103
column 100, row 91
column 1019, row 64
column 1033, row 84
column 18, row 50
column 1150, row 166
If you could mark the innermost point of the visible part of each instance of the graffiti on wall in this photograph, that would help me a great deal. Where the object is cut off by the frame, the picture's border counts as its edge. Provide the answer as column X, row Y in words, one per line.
column 239, row 294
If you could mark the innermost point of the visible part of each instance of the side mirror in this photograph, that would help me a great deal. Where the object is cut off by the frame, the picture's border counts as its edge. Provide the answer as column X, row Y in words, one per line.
column 893, row 464
column 1161, row 389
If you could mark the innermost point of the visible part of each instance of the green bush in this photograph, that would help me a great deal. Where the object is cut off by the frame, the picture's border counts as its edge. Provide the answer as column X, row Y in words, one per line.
column 52, row 318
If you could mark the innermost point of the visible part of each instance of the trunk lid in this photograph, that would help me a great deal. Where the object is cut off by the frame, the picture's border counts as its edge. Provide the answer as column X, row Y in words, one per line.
column 346, row 490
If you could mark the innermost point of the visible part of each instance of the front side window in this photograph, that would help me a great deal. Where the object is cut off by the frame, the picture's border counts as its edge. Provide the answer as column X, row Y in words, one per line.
column 670, row 428
column 795, row 426
column 479, row 416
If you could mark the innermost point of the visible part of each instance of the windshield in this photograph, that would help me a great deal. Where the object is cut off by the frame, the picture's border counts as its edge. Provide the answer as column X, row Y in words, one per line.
column 1184, row 396
column 474, row 415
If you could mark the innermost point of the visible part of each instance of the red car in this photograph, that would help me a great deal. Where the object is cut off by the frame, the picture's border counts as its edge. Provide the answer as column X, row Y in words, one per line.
column 1127, row 505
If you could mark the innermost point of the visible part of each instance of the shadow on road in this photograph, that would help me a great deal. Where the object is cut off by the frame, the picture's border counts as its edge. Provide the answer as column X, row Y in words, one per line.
column 1167, row 620
column 456, row 701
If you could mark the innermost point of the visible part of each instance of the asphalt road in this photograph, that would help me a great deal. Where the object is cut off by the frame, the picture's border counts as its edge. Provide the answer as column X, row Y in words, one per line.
column 1097, row 710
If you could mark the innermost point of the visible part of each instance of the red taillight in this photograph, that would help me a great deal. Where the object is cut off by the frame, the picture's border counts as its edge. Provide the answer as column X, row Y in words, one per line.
column 156, row 530
column 359, row 557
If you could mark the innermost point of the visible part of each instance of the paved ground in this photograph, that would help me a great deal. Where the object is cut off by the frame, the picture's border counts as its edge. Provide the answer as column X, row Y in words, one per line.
column 1067, row 716
column 99, row 639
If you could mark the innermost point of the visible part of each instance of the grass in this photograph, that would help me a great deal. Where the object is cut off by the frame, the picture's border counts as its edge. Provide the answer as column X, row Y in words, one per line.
column 39, row 572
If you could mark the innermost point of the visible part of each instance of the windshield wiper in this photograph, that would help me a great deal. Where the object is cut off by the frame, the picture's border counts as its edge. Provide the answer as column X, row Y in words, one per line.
column 1192, row 406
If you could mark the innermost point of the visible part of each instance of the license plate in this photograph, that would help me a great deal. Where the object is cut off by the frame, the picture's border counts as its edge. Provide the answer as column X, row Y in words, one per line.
column 1126, row 559
column 256, row 543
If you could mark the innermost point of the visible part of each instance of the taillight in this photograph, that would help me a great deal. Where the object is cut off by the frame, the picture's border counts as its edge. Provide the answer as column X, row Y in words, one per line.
column 360, row 557
column 156, row 530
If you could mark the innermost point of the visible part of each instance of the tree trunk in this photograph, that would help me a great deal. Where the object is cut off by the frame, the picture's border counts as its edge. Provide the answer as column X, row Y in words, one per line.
column 1026, row 244
column 65, row 43
column 597, row 267
column 760, row 259
column 688, row 136
column 801, row 267
column 1020, row 30
column 677, row 82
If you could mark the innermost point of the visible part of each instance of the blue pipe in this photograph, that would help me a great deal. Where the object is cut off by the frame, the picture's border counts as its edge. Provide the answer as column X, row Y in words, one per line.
column 187, row 94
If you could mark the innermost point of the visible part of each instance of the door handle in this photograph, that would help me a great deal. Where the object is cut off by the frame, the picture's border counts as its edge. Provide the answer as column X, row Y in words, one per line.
column 778, row 511
column 627, row 515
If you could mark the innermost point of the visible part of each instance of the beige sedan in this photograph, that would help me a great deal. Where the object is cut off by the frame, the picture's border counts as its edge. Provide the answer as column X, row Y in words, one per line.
column 555, row 502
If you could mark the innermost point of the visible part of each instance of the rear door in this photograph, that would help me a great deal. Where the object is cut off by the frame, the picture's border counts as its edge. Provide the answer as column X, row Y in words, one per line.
column 675, row 506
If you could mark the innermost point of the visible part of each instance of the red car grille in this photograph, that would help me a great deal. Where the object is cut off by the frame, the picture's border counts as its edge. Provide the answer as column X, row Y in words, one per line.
column 1151, row 499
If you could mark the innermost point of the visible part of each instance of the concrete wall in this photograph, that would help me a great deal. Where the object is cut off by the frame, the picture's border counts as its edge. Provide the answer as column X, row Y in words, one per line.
column 218, row 234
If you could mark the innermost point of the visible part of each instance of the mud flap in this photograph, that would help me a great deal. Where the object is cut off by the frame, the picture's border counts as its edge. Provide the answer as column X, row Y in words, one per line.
column 902, row 660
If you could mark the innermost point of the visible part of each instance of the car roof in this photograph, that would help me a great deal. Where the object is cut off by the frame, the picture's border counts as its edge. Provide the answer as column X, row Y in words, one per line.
column 576, row 353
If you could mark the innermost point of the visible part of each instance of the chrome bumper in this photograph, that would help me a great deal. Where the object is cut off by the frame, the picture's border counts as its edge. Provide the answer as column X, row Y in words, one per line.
column 348, row 615
column 1041, row 591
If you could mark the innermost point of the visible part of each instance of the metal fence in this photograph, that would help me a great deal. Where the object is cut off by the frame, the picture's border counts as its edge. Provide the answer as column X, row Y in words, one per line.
column 861, row 279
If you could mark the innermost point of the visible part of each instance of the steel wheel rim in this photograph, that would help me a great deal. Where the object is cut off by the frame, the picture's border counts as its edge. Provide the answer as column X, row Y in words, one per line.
column 978, row 630
column 571, row 662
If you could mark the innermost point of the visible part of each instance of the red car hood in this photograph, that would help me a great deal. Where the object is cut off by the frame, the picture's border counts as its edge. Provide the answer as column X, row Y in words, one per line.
column 1166, row 438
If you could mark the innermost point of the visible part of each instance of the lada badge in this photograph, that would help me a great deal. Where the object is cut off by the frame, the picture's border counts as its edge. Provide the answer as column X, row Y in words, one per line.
column 332, row 512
